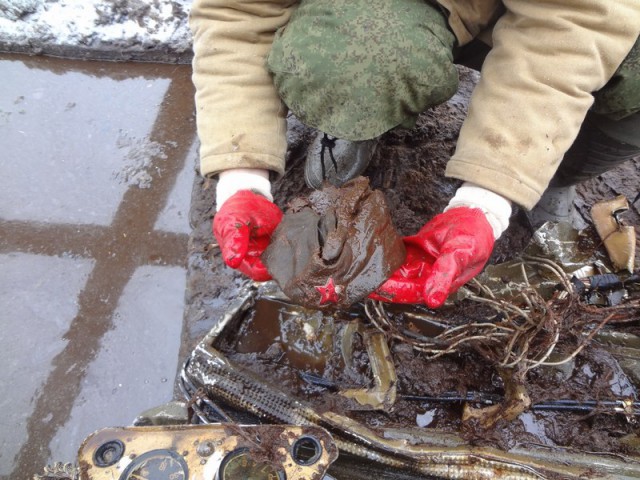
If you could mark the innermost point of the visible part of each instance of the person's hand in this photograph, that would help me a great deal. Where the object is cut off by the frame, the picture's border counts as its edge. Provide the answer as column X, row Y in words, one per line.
column 243, row 227
column 445, row 254
column 406, row 285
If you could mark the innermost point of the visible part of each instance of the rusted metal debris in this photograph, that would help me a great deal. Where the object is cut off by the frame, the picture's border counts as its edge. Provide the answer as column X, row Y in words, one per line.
column 422, row 451
column 382, row 395
column 619, row 239
column 59, row 471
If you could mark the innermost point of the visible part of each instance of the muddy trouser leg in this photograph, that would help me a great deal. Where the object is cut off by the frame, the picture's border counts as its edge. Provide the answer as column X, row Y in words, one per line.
column 610, row 134
column 595, row 151
column 356, row 69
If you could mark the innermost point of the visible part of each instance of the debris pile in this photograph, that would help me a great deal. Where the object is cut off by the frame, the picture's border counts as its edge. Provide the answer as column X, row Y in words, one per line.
column 402, row 387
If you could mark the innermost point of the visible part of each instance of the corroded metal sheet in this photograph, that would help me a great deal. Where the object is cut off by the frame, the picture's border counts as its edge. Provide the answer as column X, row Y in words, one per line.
column 618, row 239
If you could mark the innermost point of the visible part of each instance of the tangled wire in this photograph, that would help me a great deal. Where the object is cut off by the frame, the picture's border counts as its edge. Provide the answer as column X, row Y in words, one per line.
column 521, row 335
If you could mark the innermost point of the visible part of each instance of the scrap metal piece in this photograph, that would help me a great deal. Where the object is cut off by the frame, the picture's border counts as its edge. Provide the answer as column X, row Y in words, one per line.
column 223, row 452
column 557, row 242
column 171, row 413
column 619, row 239
column 604, row 289
column 517, row 401
column 59, row 471
column 625, row 347
column 346, row 343
column 383, row 395
column 425, row 452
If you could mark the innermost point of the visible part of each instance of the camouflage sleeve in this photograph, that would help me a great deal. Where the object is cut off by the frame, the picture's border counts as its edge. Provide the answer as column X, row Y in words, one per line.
column 536, row 88
column 240, row 118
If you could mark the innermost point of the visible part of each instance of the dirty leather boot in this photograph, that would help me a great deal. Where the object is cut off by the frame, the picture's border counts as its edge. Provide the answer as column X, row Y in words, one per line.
column 336, row 161
column 557, row 205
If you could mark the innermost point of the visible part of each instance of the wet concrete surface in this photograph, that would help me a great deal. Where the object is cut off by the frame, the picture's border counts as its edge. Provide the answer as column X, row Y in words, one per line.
column 100, row 253
column 96, row 175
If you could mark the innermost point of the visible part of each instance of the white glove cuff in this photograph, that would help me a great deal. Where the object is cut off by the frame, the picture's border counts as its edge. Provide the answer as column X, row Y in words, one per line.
column 496, row 208
column 236, row 179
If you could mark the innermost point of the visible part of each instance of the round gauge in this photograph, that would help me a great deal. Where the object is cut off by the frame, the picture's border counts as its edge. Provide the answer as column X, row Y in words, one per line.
column 157, row 465
column 240, row 464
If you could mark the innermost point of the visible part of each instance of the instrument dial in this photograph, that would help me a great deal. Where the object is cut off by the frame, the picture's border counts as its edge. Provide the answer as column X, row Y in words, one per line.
column 240, row 464
column 157, row 465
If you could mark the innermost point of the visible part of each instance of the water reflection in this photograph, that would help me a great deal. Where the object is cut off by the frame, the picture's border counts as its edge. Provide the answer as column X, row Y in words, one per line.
column 68, row 130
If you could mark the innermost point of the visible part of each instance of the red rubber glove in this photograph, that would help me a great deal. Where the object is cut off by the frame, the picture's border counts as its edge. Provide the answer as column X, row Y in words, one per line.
column 243, row 227
column 445, row 254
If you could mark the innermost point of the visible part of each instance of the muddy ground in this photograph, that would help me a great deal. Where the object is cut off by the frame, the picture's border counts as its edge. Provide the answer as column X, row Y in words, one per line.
column 408, row 168
column 274, row 344
column 405, row 162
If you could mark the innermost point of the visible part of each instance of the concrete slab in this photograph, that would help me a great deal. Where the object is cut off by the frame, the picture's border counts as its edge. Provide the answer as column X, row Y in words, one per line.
column 140, row 344
column 39, row 302
column 71, row 153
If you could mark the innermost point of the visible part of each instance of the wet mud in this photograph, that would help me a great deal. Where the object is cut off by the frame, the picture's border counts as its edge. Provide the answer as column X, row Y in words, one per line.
column 305, row 358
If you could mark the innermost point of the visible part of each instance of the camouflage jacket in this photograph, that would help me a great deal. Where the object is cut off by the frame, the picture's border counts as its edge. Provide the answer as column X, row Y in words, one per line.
column 536, row 86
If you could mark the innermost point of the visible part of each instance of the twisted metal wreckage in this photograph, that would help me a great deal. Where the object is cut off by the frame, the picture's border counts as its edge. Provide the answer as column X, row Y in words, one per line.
column 249, row 426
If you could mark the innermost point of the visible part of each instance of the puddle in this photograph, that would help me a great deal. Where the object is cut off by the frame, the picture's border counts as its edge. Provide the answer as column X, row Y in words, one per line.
column 108, row 396
column 92, row 153
column 293, row 336
column 58, row 282
column 76, row 138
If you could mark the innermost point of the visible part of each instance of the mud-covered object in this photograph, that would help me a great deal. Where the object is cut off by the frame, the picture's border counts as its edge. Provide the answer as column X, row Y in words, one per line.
column 334, row 247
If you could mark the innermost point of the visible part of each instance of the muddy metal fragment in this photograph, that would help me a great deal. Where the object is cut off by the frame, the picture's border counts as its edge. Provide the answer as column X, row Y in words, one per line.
column 559, row 242
column 605, row 289
column 619, row 239
column 59, row 471
column 421, row 452
column 172, row 413
column 516, row 402
column 626, row 348
column 383, row 395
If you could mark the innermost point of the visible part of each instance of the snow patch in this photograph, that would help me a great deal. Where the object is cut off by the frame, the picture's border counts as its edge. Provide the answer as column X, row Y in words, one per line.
column 119, row 25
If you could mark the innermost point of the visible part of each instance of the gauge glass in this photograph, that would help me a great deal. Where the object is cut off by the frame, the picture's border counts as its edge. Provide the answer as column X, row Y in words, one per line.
column 240, row 464
column 157, row 465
